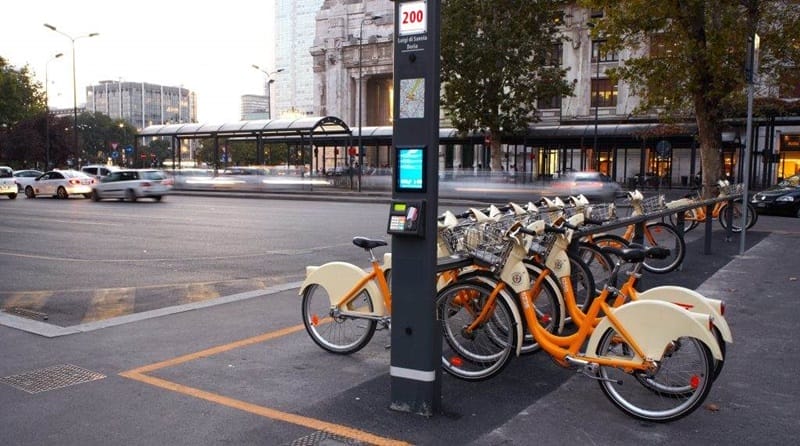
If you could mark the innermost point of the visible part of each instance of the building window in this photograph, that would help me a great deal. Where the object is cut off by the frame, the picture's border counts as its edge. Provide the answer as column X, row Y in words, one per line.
column 549, row 102
column 604, row 93
column 554, row 57
column 600, row 54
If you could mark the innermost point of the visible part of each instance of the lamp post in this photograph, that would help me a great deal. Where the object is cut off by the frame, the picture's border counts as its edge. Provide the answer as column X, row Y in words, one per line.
column 360, row 81
column 595, row 53
column 47, row 110
column 74, row 82
column 268, row 87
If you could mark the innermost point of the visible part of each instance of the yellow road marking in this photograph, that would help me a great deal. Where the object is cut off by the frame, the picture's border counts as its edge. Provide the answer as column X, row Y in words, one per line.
column 106, row 304
column 139, row 374
column 32, row 300
column 200, row 292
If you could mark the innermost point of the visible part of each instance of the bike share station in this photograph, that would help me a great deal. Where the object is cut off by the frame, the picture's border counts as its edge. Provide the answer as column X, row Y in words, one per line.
column 415, row 370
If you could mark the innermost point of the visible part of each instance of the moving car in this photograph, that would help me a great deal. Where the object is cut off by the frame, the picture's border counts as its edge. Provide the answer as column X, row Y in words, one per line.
column 593, row 185
column 132, row 184
column 25, row 177
column 8, row 186
column 98, row 170
column 781, row 199
column 61, row 184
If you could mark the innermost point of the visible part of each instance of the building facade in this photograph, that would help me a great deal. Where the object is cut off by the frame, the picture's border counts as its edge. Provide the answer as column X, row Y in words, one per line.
column 142, row 104
column 294, row 22
column 254, row 106
column 594, row 129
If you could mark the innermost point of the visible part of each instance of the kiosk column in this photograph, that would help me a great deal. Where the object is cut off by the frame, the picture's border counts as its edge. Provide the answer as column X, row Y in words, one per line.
column 416, row 336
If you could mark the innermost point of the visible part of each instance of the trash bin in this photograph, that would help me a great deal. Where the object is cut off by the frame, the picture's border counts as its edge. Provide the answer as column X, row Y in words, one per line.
column 684, row 180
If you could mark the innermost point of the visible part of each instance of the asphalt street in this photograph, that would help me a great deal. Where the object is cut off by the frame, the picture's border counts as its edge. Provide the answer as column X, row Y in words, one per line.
column 235, row 372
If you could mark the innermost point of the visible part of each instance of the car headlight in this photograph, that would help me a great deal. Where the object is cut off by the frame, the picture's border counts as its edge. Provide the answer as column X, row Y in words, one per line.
column 787, row 198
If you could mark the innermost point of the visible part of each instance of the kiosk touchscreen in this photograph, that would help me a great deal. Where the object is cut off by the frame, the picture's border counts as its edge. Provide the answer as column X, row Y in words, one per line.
column 410, row 176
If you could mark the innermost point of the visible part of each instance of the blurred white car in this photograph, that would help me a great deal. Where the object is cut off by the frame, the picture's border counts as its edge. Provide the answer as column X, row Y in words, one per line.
column 8, row 186
column 25, row 177
column 61, row 184
column 132, row 184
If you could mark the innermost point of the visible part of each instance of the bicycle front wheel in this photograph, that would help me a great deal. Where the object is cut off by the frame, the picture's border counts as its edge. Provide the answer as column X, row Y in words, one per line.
column 474, row 349
column 665, row 236
column 333, row 331
column 675, row 389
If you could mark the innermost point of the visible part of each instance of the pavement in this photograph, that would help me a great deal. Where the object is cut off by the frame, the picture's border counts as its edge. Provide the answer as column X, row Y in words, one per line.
column 234, row 372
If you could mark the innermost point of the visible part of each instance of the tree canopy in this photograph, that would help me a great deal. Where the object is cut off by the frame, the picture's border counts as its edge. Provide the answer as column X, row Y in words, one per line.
column 499, row 57
column 20, row 97
column 687, row 57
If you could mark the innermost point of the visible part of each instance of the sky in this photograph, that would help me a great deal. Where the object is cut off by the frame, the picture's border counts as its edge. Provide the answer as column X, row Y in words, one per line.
column 207, row 47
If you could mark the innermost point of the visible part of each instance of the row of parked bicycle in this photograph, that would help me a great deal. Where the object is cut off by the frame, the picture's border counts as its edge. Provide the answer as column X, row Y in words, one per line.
column 517, row 279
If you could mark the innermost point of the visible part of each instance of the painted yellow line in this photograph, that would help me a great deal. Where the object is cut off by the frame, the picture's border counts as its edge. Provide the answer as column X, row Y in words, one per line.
column 266, row 412
column 218, row 349
column 139, row 374
column 32, row 300
column 109, row 303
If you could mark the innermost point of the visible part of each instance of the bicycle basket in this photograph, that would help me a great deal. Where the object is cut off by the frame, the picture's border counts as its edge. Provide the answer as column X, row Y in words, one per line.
column 603, row 211
column 454, row 237
column 653, row 204
column 487, row 242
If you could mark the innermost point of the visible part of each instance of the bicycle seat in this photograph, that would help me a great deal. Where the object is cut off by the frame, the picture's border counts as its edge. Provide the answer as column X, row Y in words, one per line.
column 366, row 243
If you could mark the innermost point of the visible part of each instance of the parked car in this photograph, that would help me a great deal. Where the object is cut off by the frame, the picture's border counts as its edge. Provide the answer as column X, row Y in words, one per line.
column 781, row 199
column 25, row 177
column 99, row 170
column 61, row 184
column 593, row 185
column 8, row 186
column 132, row 184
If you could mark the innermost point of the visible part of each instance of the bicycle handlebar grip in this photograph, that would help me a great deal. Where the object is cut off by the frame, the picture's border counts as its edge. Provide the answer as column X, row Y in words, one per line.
column 592, row 221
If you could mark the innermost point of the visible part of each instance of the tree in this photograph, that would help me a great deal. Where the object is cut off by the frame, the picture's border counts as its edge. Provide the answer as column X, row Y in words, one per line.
column 688, row 57
column 497, row 62
column 20, row 96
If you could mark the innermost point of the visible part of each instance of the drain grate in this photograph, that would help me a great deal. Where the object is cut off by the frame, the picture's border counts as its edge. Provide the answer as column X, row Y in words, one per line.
column 322, row 438
column 51, row 378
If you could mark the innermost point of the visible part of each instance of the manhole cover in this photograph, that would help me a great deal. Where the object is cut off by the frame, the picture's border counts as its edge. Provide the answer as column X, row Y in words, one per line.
column 50, row 378
column 322, row 438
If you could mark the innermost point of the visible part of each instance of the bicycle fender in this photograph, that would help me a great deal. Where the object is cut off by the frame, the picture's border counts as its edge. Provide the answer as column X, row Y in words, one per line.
column 387, row 261
column 337, row 278
column 654, row 324
column 692, row 301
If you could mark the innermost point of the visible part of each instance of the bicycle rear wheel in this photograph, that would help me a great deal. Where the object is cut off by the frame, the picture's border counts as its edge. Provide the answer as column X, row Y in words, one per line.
column 482, row 352
column 665, row 236
column 330, row 329
column 736, row 218
column 679, row 385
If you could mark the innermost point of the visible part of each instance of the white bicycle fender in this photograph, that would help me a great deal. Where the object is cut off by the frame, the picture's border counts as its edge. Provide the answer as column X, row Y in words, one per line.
column 654, row 324
column 337, row 278
column 387, row 261
column 692, row 301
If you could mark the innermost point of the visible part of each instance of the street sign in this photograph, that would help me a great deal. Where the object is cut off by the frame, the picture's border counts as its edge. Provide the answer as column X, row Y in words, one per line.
column 129, row 149
column 115, row 154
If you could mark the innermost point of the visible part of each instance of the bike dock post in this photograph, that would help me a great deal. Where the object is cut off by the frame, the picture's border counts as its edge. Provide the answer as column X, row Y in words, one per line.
column 416, row 338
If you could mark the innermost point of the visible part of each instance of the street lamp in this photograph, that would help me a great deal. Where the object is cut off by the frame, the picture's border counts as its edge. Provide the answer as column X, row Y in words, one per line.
column 268, row 87
column 74, row 82
column 47, row 109
column 360, row 123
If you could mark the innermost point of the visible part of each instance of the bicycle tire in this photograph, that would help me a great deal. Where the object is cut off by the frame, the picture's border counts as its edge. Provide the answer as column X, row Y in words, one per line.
column 333, row 332
column 599, row 263
column 484, row 352
column 679, row 386
column 736, row 218
column 666, row 236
